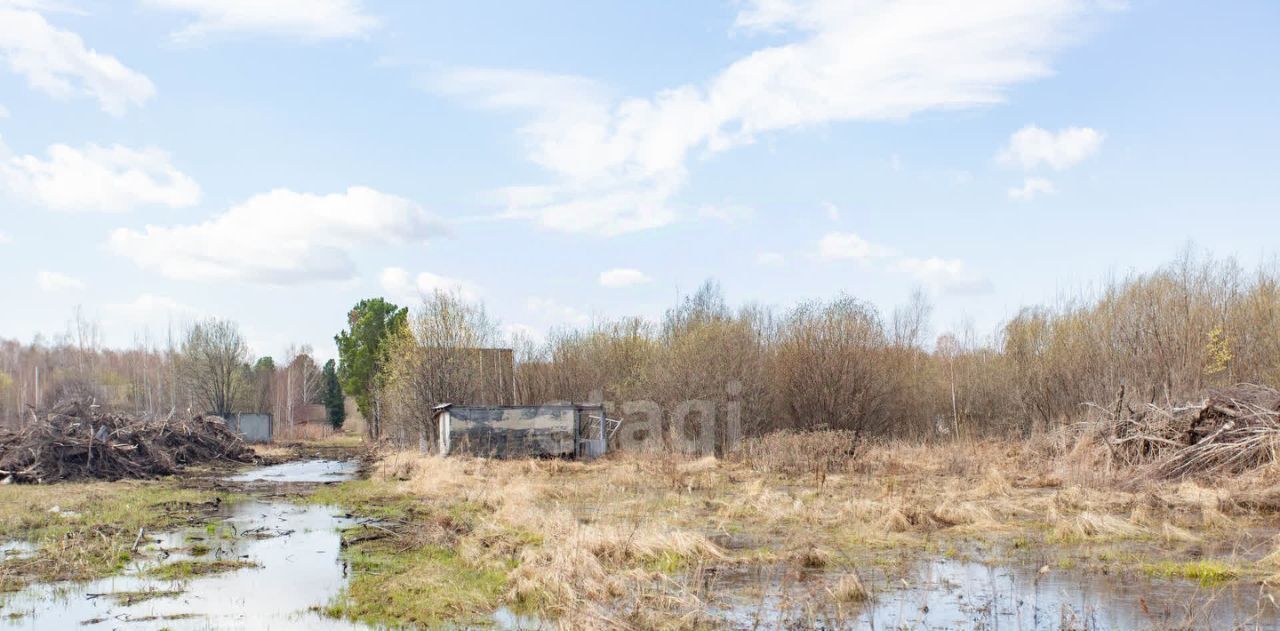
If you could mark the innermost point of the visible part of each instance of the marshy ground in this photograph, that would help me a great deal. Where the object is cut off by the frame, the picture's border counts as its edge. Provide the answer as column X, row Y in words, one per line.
column 950, row 536
column 975, row 535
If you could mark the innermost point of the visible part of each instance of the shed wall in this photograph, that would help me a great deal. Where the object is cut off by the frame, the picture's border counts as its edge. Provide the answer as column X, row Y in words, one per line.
column 511, row 432
column 254, row 428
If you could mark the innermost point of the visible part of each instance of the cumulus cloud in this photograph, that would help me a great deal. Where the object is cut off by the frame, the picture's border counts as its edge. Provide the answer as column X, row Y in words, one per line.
column 94, row 178
column 408, row 289
column 58, row 63
column 846, row 245
column 947, row 275
column 1032, row 146
column 279, row 237
column 623, row 277
column 56, row 281
column 305, row 19
column 1032, row 187
column 617, row 163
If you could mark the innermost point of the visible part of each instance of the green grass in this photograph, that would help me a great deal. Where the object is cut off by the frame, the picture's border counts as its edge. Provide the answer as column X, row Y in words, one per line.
column 87, row 530
column 375, row 499
column 424, row 586
column 1205, row 571
column 185, row 569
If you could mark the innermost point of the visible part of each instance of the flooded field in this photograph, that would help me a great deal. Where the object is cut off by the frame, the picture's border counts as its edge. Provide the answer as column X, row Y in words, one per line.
column 291, row 569
column 953, row 594
column 301, row 471
column 264, row 562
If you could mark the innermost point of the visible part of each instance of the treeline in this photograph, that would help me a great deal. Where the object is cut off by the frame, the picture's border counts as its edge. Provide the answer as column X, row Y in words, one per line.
column 1166, row 335
column 207, row 367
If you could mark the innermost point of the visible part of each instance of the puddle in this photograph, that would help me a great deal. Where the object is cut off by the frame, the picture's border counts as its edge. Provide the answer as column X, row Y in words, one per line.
column 301, row 471
column 16, row 550
column 506, row 620
column 295, row 547
column 945, row 594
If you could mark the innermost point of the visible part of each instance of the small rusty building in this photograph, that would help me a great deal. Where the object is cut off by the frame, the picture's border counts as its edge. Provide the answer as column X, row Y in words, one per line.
column 532, row 431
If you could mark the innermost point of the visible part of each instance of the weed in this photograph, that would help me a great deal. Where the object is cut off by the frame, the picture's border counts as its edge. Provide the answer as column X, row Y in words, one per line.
column 1205, row 571
column 190, row 568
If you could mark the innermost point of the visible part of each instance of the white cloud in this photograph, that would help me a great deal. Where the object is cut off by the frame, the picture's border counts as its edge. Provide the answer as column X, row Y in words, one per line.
column 409, row 290
column 58, row 63
column 617, row 164
column 55, row 281
column 947, row 275
column 623, row 277
column 1032, row 146
column 152, row 313
column 1032, row 187
column 770, row 259
column 279, row 237
column 306, row 19
column 555, row 313
column 847, row 245
column 94, row 178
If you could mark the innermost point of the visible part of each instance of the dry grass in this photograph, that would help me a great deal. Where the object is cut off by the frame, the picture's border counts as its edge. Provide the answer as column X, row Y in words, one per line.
column 620, row 543
column 849, row 589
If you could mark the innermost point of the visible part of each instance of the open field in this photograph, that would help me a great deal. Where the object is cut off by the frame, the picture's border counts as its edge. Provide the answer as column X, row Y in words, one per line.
column 639, row 541
column 792, row 530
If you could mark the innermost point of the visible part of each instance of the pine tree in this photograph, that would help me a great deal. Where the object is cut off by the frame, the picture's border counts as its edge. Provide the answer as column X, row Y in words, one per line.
column 333, row 400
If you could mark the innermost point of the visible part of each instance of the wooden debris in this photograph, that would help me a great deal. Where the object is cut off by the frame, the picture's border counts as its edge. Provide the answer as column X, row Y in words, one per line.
column 77, row 441
column 1235, row 429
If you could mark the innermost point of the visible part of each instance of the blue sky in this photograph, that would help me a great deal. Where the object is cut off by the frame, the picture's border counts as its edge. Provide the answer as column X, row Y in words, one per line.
column 162, row 160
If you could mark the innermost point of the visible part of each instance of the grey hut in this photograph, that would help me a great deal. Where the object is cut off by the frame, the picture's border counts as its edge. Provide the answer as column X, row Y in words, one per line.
column 522, row 431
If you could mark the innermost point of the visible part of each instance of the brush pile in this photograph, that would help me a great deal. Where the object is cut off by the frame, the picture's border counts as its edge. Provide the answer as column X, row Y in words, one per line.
column 1236, row 429
column 77, row 441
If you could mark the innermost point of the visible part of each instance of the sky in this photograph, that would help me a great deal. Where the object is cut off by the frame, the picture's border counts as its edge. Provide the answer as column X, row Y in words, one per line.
column 564, row 162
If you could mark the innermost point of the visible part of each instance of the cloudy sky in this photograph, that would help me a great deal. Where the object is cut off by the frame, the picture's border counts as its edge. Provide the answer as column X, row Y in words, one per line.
column 275, row 162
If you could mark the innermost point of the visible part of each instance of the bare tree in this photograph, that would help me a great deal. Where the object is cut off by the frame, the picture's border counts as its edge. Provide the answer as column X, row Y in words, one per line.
column 439, row 359
column 302, row 381
column 212, row 356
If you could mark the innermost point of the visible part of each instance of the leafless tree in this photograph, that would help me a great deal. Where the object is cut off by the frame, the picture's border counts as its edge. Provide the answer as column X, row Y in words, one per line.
column 213, row 354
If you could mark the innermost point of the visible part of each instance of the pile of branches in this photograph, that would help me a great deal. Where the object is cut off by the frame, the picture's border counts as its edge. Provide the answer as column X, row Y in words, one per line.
column 1235, row 429
column 77, row 440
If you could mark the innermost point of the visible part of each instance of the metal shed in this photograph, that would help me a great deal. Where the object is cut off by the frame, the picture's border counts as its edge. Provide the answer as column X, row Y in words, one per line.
column 533, row 431
column 253, row 427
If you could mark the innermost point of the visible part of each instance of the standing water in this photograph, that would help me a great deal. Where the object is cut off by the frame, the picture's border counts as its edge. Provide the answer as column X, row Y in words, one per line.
column 297, row 571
